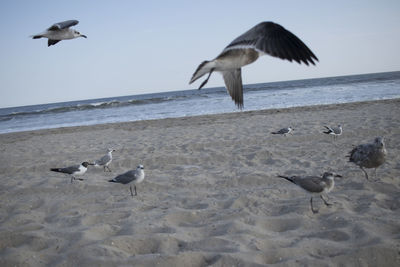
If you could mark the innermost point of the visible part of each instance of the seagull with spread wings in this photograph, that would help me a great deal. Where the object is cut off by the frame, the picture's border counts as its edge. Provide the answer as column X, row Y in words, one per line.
column 60, row 31
column 264, row 38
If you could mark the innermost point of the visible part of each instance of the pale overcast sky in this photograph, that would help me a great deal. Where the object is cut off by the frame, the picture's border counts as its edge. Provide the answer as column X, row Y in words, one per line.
column 136, row 47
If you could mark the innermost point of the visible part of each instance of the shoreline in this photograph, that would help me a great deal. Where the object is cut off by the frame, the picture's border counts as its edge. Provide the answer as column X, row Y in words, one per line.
column 211, row 195
column 200, row 117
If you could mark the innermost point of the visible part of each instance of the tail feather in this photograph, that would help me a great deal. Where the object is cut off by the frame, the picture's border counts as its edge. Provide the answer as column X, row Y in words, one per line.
column 37, row 36
column 55, row 169
column 112, row 181
column 329, row 130
column 203, row 68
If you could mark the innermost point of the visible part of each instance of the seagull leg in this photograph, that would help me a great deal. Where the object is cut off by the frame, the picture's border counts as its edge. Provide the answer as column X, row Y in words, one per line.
column 109, row 169
column 135, row 190
column 72, row 178
column 366, row 174
column 312, row 208
column 130, row 188
column 104, row 168
column 326, row 202
column 204, row 83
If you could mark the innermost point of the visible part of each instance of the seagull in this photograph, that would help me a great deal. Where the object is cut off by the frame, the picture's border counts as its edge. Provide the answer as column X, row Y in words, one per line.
column 73, row 170
column 315, row 185
column 284, row 131
column 105, row 160
column 369, row 156
column 335, row 131
column 264, row 38
column 60, row 31
column 135, row 176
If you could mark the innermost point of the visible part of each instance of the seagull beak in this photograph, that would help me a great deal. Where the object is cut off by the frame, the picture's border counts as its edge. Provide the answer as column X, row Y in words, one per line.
column 84, row 36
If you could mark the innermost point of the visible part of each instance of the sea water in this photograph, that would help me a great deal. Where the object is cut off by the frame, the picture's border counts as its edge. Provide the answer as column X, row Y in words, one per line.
column 332, row 90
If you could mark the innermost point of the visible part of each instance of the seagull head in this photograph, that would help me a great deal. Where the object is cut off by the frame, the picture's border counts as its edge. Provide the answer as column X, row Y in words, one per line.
column 86, row 164
column 331, row 175
column 140, row 167
column 111, row 150
column 379, row 142
column 78, row 34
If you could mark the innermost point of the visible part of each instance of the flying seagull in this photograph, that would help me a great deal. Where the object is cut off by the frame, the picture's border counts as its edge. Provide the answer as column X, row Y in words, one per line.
column 369, row 155
column 60, row 31
column 335, row 131
column 315, row 185
column 73, row 170
column 105, row 160
column 135, row 176
column 264, row 38
column 284, row 131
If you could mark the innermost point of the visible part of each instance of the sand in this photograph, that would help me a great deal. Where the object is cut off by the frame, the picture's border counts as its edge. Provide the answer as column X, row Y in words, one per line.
column 210, row 197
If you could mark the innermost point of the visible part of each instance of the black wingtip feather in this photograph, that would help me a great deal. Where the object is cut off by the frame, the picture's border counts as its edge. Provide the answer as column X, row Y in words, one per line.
column 287, row 178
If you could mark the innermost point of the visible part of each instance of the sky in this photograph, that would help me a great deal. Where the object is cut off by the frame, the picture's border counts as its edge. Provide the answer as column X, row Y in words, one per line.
column 139, row 47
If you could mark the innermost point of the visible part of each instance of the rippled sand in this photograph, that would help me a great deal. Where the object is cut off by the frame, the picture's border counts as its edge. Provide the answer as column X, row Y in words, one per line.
column 210, row 196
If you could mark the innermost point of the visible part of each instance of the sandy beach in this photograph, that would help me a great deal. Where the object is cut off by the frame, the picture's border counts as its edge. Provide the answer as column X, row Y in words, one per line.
column 211, row 196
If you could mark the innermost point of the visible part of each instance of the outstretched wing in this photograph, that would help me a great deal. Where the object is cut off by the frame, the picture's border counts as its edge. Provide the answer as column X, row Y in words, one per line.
column 233, row 82
column 52, row 42
column 273, row 39
column 62, row 25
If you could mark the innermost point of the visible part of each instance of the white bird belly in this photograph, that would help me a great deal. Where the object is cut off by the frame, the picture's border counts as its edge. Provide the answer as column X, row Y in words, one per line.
column 59, row 35
column 82, row 171
column 140, row 178
column 235, row 59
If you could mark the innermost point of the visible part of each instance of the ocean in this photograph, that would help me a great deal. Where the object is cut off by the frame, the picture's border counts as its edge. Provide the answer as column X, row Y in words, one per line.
column 175, row 104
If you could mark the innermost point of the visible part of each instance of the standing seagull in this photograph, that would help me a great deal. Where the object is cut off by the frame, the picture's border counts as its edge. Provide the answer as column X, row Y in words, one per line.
column 284, row 131
column 264, row 38
column 73, row 170
column 60, row 31
column 105, row 160
column 315, row 185
column 135, row 176
column 335, row 131
column 369, row 155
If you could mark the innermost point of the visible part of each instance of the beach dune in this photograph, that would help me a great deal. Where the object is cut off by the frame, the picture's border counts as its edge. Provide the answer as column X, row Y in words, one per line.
column 211, row 195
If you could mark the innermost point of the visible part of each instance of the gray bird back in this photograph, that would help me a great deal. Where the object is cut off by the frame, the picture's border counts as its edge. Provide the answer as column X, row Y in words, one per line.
column 63, row 25
column 70, row 169
column 104, row 160
column 313, row 184
column 126, row 178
